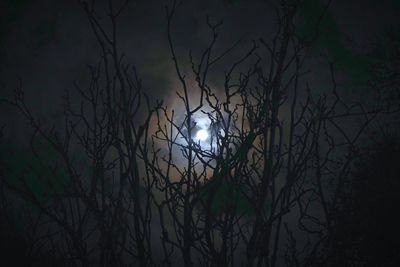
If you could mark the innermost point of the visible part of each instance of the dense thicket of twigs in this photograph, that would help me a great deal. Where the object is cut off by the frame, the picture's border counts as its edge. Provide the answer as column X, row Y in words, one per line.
column 129, row 184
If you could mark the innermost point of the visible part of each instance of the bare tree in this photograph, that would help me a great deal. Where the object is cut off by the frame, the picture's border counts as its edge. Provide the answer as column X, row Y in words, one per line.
column 268, row 169
column 276, row 148
column 104, row 208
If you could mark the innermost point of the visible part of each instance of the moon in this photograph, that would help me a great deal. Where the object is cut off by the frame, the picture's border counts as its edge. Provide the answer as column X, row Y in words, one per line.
column 202, row 135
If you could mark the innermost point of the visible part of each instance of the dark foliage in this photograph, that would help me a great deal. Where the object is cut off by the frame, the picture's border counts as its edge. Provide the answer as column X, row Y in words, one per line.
column 366, row 225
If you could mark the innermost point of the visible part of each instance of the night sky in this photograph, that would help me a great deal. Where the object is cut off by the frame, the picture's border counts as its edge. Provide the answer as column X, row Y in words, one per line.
column 48, row 48
column 50, row 44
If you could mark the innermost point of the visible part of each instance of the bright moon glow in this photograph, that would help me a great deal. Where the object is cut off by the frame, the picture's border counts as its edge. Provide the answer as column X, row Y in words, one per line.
column 202, row 135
